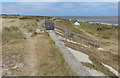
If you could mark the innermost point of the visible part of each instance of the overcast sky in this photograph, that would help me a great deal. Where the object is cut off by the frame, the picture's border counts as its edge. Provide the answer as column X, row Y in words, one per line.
column 61, row 8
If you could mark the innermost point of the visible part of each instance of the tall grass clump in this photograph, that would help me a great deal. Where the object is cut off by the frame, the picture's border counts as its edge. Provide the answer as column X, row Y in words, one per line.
column 10, row 33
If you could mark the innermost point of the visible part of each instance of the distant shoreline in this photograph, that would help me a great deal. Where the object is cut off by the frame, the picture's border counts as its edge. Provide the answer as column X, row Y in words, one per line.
column 93, row 19
column 97, row 22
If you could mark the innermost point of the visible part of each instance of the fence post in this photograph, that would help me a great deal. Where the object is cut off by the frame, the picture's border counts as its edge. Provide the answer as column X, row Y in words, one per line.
column 65, row 35
column 82, row 40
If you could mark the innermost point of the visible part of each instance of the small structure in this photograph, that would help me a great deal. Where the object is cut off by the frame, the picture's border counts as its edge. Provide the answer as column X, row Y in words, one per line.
column 76, row 23
column 49, row 25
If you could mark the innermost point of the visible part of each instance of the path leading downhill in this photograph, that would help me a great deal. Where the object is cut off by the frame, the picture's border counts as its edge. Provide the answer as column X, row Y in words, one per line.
column 31, row 61
column 31, row 55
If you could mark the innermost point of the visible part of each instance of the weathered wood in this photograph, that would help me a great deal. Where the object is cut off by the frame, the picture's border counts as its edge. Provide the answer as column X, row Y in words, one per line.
column 75, row 35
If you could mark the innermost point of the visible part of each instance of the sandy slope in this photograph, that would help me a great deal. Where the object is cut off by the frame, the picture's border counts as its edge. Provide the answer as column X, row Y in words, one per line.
column 81, row 57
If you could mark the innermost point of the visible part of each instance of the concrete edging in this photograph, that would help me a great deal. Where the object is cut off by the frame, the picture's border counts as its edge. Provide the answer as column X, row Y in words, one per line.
column 69, row 57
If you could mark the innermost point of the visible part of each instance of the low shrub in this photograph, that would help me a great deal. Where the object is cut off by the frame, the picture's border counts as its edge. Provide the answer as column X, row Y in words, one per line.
column 51, row 41
column 23, row 17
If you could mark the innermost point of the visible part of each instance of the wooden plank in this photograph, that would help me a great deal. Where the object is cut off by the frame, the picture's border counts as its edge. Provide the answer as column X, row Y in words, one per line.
column 77, row 36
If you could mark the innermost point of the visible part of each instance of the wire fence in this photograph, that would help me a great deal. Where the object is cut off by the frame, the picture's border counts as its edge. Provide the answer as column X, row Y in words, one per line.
column 74, row 35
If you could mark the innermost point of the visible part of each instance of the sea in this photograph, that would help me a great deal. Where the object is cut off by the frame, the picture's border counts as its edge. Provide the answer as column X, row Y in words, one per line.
column 97, row 19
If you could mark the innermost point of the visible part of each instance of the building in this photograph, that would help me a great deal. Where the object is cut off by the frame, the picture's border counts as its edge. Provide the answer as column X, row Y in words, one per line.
column 49, row 25
column 76, row 23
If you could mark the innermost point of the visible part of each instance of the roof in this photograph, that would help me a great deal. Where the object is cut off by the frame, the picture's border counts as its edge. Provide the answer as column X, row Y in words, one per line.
column 49, row 23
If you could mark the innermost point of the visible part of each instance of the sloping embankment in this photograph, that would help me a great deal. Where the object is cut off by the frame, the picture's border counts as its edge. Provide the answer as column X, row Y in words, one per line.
column 70, row 59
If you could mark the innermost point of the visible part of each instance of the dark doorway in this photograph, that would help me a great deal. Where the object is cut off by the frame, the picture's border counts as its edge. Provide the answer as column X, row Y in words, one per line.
column 49, row 25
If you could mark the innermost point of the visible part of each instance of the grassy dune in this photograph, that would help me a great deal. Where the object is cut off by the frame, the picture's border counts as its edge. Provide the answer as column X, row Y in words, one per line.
column 19, row 47
column 107, row 34
column 108, row 37
column 25, row 55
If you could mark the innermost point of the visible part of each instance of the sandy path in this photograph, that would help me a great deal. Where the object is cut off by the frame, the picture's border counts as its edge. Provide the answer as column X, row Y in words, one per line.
column 31, row 61
column 31, row 55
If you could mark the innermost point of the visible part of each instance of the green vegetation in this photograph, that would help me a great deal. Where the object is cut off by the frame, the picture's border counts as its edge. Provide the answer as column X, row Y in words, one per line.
column 23, row 17
column 10, row 16
column 51, row 41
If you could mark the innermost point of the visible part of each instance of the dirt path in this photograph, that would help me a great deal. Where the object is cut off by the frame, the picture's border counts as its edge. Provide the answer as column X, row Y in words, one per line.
column 31, row 55
column 31, row 61
column 42, row 61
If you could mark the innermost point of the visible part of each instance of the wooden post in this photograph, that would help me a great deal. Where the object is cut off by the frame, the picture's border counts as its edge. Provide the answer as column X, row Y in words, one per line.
column 82, row 40
column 65, row 35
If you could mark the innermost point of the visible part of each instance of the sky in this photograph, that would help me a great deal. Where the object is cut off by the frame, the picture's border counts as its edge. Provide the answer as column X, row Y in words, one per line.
column 59, row 0
column 61, row 8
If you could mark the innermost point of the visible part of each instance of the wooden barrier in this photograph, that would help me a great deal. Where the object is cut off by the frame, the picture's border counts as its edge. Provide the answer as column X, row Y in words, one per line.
column 94, row 42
